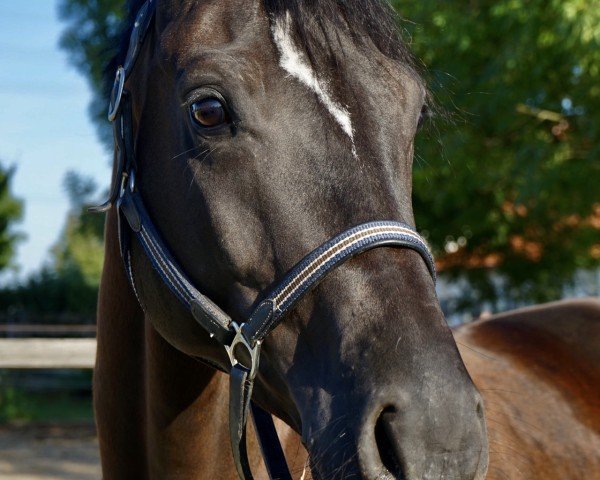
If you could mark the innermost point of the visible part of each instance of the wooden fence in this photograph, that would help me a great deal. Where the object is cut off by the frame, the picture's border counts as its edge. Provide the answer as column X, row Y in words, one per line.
column 47, row 353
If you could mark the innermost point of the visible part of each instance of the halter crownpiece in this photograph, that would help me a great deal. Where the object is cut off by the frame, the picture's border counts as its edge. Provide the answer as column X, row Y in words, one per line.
column 241, row 341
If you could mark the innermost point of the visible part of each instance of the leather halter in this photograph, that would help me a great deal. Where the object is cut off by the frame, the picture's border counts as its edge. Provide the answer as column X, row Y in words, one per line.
column 242, row 342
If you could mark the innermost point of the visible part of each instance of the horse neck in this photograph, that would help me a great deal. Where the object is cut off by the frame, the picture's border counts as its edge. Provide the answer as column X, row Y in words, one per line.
column 188, row 418
column 187, row 414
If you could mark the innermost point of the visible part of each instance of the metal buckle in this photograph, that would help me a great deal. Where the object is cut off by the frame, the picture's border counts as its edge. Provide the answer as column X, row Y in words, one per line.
column 123, row 184
column 253, row 353
column 116, row 94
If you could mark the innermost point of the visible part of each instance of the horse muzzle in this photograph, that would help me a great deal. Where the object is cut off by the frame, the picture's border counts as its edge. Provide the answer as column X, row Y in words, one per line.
column 400, row 436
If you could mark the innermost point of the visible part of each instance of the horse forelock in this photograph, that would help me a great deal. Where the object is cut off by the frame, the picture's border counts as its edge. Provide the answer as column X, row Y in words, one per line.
column 318, row 23
column 370, row 23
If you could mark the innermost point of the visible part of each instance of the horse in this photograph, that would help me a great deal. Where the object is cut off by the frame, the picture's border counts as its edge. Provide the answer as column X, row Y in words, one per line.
column 538, row 371
column 247, row 134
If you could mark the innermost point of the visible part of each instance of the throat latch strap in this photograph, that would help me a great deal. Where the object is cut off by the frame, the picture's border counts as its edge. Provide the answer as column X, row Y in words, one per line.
column 242, row 342
column 208, row 314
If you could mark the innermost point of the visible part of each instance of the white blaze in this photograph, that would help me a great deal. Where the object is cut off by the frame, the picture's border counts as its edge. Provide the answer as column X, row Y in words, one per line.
column 293, row 61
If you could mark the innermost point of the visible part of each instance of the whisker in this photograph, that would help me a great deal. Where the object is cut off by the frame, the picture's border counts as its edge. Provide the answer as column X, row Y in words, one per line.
column 476, row 351
column 515, row 420
column 186, row 151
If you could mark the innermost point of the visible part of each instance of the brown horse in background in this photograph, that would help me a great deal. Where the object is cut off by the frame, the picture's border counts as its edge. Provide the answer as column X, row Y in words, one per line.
column 260, row 130
column 538, row 370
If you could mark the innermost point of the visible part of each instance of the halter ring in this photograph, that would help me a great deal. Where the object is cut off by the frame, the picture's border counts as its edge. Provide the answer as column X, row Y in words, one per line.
column 242, row 353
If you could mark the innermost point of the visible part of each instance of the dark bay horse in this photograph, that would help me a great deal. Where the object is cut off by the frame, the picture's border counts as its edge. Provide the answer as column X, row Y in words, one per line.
column 261, row 130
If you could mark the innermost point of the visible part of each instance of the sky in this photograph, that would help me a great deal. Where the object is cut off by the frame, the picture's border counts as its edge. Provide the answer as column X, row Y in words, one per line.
column 45, row 129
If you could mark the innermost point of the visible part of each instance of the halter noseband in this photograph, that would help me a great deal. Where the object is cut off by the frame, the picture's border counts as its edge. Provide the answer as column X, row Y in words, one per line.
column 241, row 341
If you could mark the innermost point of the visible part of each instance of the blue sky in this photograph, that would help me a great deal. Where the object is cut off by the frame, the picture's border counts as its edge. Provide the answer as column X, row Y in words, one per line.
column 45, row 129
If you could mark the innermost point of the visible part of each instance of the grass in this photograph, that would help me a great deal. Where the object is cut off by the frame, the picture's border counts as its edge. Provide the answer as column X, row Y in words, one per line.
column 17, row 406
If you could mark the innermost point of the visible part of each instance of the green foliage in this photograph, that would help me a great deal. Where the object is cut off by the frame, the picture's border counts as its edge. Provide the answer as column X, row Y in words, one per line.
column 11, row 405
column 509, row 176
column 91, row 36
column 513, row 178
column 21, row 406
column 79, row 253
column 11, row 210
column 50, row 292
column 69, row 283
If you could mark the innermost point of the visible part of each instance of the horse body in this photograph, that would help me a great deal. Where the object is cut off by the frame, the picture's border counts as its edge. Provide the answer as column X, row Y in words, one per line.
column 538, row 370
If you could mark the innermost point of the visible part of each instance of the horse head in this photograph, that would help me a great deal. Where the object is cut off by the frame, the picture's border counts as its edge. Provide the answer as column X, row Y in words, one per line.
column 261, row 130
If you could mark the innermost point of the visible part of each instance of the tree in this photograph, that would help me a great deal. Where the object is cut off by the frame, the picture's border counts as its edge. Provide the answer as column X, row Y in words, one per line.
column 68, row 283
column 78, row 256
column 513, row 180
column 91, row 37
column 11, row 211
column 507, row 179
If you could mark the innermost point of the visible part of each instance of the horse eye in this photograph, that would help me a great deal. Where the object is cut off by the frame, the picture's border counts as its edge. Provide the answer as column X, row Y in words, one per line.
column 208, row 113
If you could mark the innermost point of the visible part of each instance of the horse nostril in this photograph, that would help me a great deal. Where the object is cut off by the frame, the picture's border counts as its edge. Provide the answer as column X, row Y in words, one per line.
column 385, row 443
column 480, row 413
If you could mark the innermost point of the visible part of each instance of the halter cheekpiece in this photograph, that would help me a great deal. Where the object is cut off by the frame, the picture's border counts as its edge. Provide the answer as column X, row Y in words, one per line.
column 241, row 341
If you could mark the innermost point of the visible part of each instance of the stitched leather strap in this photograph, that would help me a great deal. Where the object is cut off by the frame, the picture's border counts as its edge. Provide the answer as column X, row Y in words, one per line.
column 214, row 320
column 303, row 277
column 141, row 25
column 240, row 392
column 269, row 444
column 309, row 271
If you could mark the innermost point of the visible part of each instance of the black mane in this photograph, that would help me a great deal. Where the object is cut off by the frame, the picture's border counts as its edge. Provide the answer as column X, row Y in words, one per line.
column 369, row 22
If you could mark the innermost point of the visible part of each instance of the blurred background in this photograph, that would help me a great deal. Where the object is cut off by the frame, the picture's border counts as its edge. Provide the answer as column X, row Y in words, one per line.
column 506, row 187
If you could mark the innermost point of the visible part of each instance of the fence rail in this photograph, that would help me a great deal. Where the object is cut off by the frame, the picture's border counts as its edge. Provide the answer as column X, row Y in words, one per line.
column 21, row 353
column 32, row 328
